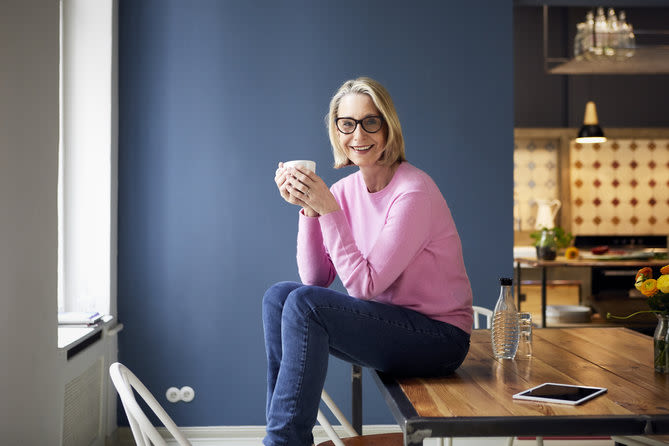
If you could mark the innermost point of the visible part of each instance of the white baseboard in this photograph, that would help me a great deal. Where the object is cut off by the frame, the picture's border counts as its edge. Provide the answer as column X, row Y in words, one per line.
column 253, row 435
column 237, row 435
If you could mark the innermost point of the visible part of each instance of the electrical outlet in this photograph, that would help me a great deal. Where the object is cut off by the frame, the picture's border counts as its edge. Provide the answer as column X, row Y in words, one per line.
column 187, row 394
column 173, row 395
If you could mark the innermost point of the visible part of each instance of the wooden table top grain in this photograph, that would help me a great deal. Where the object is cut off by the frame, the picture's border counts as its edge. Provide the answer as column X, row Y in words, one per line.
column 477, row 400
column 616, row 358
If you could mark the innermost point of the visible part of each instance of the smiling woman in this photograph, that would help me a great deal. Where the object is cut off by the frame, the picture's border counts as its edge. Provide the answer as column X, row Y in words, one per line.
column 362, row 147
column 369, row 99
column 387, row 232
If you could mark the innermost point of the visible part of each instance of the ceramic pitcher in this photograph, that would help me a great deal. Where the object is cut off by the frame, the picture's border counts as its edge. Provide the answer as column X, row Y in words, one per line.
column 546, row 212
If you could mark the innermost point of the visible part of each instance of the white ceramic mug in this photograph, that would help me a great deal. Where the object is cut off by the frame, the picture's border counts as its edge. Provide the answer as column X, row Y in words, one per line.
column 308, row 164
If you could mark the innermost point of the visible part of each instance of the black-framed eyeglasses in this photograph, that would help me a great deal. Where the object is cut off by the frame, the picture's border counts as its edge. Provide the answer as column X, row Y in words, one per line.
column 370, row 124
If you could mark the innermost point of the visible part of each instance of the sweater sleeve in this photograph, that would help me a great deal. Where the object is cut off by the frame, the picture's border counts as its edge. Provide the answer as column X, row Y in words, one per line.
column 313, row 262
column 403, row 235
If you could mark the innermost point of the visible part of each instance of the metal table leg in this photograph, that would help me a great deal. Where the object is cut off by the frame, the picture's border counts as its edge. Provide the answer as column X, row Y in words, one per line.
column 543, row 296
column 356, row 398
column 518, row 283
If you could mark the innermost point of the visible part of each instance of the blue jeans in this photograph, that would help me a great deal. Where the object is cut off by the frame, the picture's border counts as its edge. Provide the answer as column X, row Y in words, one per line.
column 303, row 324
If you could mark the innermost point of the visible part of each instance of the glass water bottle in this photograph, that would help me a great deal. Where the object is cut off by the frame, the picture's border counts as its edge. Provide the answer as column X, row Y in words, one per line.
column 505, row 330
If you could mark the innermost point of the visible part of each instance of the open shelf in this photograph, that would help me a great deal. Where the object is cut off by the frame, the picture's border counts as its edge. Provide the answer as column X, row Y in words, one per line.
column 646, row 60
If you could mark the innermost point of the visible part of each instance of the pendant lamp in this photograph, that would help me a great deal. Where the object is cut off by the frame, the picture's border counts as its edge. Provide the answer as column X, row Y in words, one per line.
column 591, row 132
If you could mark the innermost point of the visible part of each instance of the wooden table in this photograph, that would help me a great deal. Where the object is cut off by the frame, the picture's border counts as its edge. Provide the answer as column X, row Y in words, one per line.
column 545, row 264
column 476, row 401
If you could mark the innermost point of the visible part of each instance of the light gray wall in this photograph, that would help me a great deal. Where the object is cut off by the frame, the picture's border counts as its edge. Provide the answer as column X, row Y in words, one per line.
column 28, row 221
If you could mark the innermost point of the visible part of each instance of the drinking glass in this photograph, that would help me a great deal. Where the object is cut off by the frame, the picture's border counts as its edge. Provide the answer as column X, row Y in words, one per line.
column 524, row 336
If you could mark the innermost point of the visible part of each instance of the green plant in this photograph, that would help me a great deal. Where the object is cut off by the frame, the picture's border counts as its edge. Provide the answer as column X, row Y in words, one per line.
column 562, row 238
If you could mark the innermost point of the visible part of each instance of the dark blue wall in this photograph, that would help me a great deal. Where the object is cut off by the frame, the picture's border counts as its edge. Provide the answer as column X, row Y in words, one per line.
column 212, row 95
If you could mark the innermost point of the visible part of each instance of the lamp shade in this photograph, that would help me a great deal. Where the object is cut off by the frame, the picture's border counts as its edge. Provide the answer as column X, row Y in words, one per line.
column 590, row 132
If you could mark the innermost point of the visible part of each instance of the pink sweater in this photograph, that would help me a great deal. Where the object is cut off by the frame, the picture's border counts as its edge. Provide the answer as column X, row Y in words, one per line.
column 397, row 246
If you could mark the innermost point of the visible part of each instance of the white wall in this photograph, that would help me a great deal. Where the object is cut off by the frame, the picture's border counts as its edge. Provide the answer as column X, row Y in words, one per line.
column 28, row 221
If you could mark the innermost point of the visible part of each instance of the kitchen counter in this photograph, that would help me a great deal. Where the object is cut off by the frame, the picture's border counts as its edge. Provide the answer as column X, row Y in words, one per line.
column 522, row 262
column 562, row 261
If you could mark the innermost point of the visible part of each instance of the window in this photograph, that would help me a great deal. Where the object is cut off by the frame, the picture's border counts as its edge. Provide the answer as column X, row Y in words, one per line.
column 87, row 157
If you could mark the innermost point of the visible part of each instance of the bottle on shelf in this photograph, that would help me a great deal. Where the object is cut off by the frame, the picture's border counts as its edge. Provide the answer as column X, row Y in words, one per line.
column 627, row 38
column 589, row 36
column 604, row 35
column 601, row 32
column 579, row 41
column 505, row 329
column 613, row 41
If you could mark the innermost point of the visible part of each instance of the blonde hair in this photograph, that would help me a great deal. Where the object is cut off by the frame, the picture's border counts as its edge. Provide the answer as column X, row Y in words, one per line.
column 394, row 150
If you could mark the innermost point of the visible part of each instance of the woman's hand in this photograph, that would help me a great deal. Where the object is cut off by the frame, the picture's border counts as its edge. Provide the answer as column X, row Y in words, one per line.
column 303, row 187
column 281, row 180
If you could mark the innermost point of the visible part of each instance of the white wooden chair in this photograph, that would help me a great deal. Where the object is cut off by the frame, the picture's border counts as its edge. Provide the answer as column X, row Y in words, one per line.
column 482, row 312
column 390, row 439
column 145, row 433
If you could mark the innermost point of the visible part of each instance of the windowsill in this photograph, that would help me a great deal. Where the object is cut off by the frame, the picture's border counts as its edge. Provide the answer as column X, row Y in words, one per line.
column 69, row 336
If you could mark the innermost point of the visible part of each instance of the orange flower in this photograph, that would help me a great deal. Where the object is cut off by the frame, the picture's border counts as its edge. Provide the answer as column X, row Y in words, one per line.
column 643, row 275
column 646, row 272
column 664, row 269
column 649, row 287
column 572, row 253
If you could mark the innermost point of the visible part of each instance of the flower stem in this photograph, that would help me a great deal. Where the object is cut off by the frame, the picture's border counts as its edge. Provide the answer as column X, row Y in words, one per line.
column 610, row 316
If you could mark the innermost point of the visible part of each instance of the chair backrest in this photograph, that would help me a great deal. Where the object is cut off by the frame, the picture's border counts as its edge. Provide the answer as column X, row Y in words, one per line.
column 145, row 433
column 480, row 311
column 329, row 430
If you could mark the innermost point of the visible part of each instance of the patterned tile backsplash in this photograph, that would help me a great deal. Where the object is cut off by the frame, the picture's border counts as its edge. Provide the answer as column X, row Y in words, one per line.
column 620, row 187
column 535, row 177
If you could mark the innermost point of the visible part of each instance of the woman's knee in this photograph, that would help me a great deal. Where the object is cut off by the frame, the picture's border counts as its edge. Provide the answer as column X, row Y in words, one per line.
column 304, row 301
column 276, row 295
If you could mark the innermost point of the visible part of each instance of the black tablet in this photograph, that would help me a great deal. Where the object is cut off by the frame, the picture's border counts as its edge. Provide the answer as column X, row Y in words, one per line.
column 560, row 393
